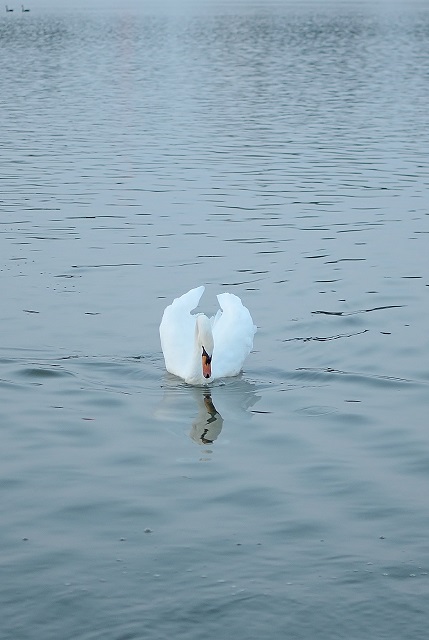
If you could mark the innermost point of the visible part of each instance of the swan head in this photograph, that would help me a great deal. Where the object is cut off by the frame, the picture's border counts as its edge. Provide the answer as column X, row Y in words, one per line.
column 205, row 343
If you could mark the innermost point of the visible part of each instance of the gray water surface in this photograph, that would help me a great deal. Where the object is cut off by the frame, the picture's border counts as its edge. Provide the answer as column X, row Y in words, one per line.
column 275, row 150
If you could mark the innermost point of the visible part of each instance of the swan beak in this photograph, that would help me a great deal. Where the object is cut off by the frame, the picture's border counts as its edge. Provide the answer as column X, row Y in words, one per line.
column 207, row 364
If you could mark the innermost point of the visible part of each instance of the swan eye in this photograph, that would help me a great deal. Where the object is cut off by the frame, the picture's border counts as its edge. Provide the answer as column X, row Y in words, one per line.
column 208, row 358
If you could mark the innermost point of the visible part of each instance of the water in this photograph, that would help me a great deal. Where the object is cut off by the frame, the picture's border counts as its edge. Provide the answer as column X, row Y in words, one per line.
column 275, row 150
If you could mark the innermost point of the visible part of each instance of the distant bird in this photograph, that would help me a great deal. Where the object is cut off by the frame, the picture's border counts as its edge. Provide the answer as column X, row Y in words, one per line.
column 24, row 10
column 8, row 10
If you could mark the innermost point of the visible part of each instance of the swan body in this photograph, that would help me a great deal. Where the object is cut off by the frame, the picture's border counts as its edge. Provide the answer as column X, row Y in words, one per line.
column 201, row 349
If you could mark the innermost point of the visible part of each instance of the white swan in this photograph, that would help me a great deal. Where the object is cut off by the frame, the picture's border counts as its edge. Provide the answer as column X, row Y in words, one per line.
column 199, row 349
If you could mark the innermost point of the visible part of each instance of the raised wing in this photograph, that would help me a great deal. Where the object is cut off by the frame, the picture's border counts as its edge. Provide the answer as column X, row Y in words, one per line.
column 233, row 332
column 177, row 332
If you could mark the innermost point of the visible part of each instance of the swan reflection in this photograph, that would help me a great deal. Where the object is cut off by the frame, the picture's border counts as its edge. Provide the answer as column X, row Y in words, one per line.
column 228, row 401
column 208, row 423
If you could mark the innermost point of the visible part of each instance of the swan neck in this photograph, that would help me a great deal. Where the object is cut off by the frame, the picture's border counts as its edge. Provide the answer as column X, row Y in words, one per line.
column 203, row 334
column 203, row 342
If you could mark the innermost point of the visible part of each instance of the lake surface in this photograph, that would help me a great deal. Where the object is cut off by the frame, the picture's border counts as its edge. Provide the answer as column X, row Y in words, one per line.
column 275, row 150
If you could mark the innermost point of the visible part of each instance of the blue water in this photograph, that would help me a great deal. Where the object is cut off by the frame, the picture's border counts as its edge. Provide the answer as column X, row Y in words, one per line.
column 275, row 150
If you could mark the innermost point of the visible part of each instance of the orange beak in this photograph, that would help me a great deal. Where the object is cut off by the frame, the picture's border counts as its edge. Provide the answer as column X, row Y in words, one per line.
column 207, row 364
